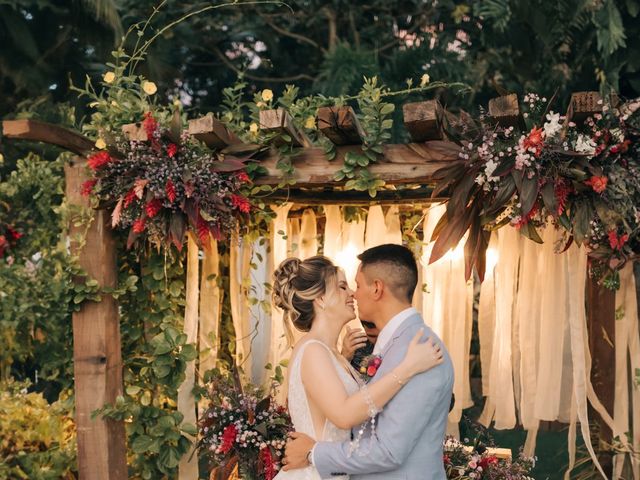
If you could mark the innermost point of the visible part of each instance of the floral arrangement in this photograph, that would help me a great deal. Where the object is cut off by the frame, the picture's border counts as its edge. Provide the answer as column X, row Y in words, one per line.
column 584, row 179
column 8, row 238
column 369, row 366
column 168, row 184
column 246, row 428
column 477, row 462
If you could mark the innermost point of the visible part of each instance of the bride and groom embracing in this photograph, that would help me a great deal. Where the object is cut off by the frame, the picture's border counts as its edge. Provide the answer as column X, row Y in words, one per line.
column 390, row 426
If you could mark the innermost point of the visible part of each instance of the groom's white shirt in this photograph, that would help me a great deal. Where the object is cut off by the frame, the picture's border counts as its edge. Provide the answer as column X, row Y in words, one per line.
column 386, row 334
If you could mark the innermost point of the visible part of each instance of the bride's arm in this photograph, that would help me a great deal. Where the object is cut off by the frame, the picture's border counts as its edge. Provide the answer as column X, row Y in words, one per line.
column 324, row 387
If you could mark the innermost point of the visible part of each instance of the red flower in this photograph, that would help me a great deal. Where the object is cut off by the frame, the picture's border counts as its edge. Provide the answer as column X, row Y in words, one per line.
column 15, row 235
column 486, row 461
column 534, row 140
column 87, row 187
column 621, row 147
column 150, row 125
column 242, row 176
column 446, row 459
column 617, row 242
column 170, row 189
column 98, row 160
column 228, row 438
column 203, row 230
column 3, row 245
column 139, row 225
column 268, row 466
column 372, row 370
column 153, row 207
column 527, row 218
column 241, row 203
column 172, row 149
column 130, row 197
column 562, row 191
column 598, row 183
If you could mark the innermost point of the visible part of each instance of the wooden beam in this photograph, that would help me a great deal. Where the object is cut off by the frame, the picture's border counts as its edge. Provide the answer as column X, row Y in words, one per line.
column 340, row 125
column 299, row 196
column 135, row 132
column 37, row 131
column 601, row 324
column 583, row 105
column 212, row 132
column 279, row 121
column 97, row 359
column 401, row 164
column 505, row 111
column 422, row 120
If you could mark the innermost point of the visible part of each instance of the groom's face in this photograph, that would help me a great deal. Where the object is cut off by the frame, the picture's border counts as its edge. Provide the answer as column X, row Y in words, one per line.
column 364, row 295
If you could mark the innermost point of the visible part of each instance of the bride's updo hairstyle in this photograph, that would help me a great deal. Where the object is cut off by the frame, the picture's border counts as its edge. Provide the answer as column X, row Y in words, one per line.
column 297, row 283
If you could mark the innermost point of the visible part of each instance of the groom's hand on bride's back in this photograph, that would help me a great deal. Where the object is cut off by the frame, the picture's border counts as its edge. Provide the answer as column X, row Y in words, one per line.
column 296, row 453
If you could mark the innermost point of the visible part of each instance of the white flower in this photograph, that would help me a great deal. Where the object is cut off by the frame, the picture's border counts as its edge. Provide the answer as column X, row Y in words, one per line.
column 424, row 80
column 490, row 167
column 552, row 126
column 480, row 179
column 585, row 145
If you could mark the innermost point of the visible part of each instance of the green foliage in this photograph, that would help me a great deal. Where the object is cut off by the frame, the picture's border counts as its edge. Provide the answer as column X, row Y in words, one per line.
column 37, row 440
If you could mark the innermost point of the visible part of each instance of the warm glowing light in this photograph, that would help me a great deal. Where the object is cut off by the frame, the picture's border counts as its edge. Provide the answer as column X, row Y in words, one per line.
column 347, row 259
column 492, row 258
column 455, row 254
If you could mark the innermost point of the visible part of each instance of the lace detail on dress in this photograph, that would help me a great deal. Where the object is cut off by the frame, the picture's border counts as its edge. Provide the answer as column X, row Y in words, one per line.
column 301, row 413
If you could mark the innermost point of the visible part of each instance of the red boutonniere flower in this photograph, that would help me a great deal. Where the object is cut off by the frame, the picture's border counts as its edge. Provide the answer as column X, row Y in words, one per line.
column 370, row 365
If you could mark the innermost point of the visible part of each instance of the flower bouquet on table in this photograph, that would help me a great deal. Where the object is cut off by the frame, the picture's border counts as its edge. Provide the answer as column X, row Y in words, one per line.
column 463, row 462
column 243, row 431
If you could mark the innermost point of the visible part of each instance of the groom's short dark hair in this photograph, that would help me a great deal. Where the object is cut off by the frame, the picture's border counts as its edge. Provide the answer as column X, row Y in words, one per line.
column 401, row 274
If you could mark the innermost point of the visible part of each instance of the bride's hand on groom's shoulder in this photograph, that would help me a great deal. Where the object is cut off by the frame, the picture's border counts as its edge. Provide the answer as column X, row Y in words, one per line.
column 296, row 453
column 423, row 356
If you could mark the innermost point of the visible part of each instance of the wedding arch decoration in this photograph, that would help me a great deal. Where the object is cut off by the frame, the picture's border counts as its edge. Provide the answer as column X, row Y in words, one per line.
column 158, row 175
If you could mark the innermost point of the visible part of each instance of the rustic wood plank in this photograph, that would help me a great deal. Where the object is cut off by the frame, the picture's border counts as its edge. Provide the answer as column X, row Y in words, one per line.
column 505, row 111
column 212, row 132
column 601, row 324
column 135, row 132
column 279, row 121
column 401, row 164
column 415, row 196
column 48, row 133
column 422, row 120
column 340, row 125
column 97, row 359
column 582, row 106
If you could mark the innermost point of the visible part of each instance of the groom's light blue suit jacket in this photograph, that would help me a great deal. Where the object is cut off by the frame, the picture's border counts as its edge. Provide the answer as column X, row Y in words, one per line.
column 410, row 429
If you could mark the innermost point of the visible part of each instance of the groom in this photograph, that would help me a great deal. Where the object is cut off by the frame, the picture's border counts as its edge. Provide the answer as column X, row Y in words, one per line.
column 410, row 429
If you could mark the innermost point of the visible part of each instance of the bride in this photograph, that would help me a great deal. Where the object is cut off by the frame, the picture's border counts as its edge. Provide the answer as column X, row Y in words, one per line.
column 327, row 397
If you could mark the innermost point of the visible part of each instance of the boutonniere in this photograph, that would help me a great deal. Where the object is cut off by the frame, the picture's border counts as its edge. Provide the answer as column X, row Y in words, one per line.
column 369, row 366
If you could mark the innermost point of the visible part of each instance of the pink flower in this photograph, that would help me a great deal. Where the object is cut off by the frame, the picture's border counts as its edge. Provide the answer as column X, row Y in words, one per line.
column 117, row 213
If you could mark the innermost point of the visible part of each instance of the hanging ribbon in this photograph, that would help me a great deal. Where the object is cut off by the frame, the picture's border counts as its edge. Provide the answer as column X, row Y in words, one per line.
column 188, row 467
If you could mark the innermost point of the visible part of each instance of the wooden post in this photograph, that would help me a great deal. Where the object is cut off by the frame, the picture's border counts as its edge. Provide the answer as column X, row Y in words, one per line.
column 583, row 105
column 422, row 120
column 97, row 359
column 279, row 121
column 340, row 125
column 212, row 132
column 505, row 111
column 601, row 325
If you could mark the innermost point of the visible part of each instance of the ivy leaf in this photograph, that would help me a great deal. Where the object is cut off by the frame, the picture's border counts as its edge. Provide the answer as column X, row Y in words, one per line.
column 189, row 428
column 141, row 444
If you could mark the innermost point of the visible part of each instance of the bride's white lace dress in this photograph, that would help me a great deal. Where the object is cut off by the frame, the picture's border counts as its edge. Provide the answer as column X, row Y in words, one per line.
column 301, row 414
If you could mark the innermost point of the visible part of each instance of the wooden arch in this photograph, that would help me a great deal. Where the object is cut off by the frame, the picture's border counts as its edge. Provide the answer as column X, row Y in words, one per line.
column 96, row 331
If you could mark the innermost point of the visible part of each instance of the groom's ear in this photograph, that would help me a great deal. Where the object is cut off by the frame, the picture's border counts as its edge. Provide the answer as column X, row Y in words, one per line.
column 378, row 289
